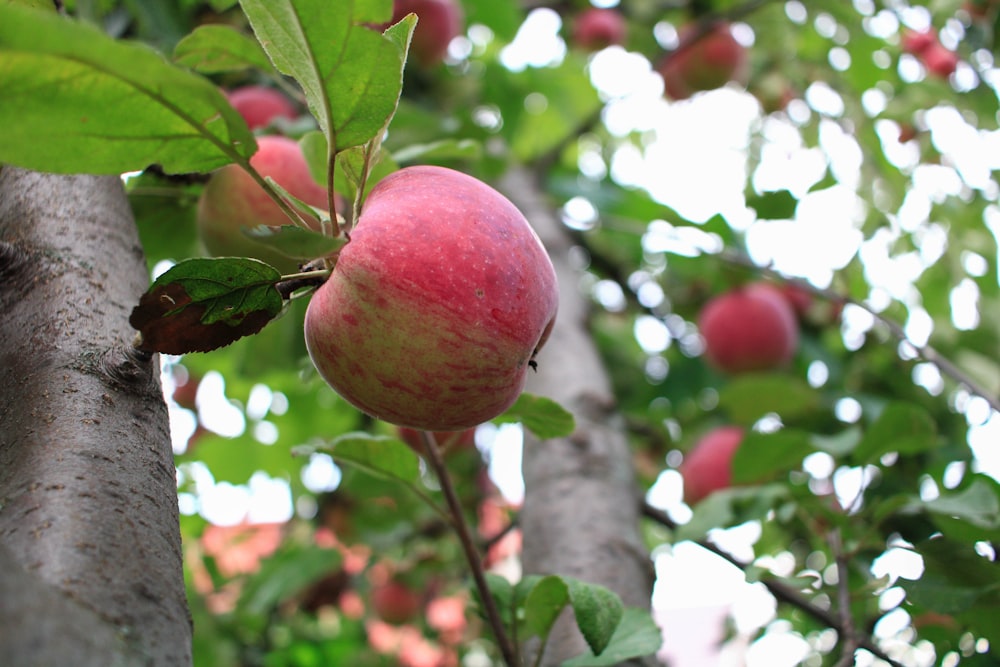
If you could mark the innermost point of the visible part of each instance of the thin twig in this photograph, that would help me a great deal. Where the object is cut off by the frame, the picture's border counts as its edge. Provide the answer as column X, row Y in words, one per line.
column 846, row 631
column 433, row 456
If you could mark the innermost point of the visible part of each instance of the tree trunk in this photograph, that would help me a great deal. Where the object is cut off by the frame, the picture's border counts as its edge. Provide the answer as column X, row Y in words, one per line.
column 581, row 511
column 90, row 552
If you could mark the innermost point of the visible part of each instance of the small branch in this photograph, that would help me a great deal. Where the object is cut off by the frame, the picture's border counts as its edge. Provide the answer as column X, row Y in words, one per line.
column 847, row 632
column 781, row 591
column 433, row 456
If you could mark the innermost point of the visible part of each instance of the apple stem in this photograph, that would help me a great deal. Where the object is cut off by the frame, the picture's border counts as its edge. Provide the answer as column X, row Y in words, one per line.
column 433, row 454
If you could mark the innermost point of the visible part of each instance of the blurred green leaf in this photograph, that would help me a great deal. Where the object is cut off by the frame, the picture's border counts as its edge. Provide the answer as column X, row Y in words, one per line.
column 762, row 456
column 901, row 427
column 777, row 205
column 76, row 101
column 749, row 397
column 540, row 415
column 283, row 575
column 220, row 48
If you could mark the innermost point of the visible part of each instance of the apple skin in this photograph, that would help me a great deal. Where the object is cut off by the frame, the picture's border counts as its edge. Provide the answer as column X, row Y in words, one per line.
column 438, row 22
column 704, row 62
column 436, row 307
column 596, row 28
column 395, row 602
column 259, row 105
column 916, row 42
column 751, row 328
column 232, row 200
column 449, row 441
column 939, row 61
column 708, row 466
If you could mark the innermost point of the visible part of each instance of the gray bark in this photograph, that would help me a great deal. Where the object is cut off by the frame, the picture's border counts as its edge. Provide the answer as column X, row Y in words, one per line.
column 90, row 552
column 581, row 512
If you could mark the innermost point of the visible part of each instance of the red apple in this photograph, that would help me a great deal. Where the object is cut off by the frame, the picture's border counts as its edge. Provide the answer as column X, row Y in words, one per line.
column 437, row 306
column 260, row 105
column 232, row 200
column 939, row 60
column 707, row 58
column 184, row 394
column 749, row 329
column 916, row 42
column 395, row 602
column 708, row 466
column 596, row 28
column 438, row 22
column 449, row 441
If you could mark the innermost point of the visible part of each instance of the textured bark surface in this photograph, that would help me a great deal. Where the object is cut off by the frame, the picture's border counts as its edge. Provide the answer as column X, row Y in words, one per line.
column 581, row 513
column 88, row 499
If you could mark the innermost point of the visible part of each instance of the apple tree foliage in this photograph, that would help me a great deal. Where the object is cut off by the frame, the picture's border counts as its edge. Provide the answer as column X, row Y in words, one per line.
column 898, row 393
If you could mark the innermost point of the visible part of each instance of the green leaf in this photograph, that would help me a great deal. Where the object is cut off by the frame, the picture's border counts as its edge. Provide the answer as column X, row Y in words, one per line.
column 901, row 427
column 749, row 397
column 637, row 635
column 542, row 416
column 598, row 612
column 778, row 205
column 76, row 101
column 296, row 242
column 220, row 48
column 502, row 592
column 839, row 444
column 379, row 455
column 543, row 604
column 351, row 75
column 977, row 504
column 203, row 304
column 959, row 582
column 445, row 149
column 283, row 575
column 761, row 456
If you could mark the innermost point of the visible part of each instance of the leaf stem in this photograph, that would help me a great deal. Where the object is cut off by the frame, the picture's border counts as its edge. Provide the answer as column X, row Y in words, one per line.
column 433, row 454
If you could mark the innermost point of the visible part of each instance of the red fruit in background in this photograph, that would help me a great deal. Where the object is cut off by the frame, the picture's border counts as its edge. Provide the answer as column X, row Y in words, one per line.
column 232, row 200
column 705, row 60
column 749, row 329
column 260, row 105
column 395, row 602
column 596, row 28
column 708, row 466
column 916, row 42
column 184, row 394
column 907, row 132
column 773, row 91
column 448, row 441
column 437, row 306
column 939, row 60
column 438, row 22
